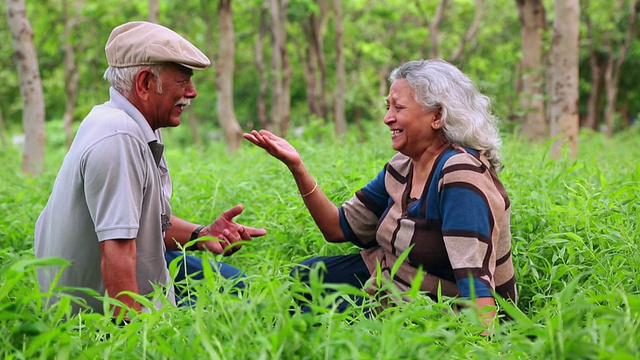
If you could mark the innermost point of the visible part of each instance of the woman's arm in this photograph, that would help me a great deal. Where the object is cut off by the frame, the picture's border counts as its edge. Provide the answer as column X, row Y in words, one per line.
column 324, row 212
column 486, row 314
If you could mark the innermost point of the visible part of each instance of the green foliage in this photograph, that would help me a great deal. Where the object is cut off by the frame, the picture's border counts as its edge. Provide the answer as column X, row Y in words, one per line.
column 575, row 250
column 378, row 36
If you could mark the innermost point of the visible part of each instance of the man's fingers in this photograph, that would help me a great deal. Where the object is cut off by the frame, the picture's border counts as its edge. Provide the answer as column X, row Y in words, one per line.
column 233, row 212
column 213, row 246
column 244, row 234
column 231, row 238
column 255, row 232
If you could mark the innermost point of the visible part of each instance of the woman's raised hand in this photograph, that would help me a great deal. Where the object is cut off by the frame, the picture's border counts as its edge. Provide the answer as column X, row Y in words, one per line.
column 275, row 146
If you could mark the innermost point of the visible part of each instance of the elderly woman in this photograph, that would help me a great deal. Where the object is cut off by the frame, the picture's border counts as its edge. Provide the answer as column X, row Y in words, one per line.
column 438, row 198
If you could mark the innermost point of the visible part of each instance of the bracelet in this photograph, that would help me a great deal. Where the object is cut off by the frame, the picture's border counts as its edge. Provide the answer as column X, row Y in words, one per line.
column 310, row 192
column 194, row 235
column 120, row 323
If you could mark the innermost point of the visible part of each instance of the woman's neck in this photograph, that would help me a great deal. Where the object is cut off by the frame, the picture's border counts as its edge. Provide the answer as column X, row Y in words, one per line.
column 423, row 163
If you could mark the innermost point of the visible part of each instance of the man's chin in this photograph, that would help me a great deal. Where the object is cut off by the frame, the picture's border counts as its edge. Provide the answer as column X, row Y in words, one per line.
column 175, row 122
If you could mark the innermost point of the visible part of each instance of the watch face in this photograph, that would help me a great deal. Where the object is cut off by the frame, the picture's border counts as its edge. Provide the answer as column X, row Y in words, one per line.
column 166, row 224
column 196, row 233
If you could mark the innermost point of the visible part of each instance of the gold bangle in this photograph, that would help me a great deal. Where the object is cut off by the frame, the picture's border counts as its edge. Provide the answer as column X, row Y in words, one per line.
column 310, row 192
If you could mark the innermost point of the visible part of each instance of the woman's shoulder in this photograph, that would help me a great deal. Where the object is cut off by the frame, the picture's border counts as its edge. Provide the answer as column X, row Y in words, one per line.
column 457, row 155
column 400, row 164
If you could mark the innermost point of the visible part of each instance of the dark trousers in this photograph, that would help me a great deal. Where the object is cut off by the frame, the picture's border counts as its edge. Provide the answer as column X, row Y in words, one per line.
column 341, row 269
column 191, row 266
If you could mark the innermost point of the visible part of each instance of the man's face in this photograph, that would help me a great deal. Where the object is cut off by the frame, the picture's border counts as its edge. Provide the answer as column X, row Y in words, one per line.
column 167, row 102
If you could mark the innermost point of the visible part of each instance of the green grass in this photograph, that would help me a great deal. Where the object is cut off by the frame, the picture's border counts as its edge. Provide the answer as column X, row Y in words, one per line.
column 575, row 249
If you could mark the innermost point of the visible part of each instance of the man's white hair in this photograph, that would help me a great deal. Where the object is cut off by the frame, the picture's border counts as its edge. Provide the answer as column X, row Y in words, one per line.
column 122, row 78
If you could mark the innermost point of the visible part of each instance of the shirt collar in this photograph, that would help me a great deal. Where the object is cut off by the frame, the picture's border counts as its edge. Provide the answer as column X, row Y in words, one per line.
column 118, row 101
column 153, row 138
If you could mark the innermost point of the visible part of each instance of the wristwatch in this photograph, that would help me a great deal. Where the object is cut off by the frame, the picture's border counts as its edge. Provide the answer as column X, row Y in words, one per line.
column 194, row 235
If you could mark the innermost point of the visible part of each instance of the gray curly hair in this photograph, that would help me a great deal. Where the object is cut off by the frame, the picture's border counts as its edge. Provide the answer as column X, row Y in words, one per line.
column 466, row 113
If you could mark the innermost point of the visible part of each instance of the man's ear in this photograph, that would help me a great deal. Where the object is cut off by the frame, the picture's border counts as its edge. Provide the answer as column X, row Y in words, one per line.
column 143, row 83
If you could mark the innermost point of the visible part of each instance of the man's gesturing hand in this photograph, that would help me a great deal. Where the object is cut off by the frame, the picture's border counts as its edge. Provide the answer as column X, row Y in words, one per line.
column 228, row 233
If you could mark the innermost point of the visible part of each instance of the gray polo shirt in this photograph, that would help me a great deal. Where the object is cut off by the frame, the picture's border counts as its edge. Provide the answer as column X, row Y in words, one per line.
column 110, row 186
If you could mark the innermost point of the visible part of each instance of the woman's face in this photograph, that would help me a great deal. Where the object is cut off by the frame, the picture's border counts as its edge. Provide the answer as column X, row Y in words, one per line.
column 410, row 123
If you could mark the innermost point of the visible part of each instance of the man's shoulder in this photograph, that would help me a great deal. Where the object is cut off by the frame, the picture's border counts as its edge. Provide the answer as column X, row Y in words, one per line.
column 109, row 116
column 105, row 120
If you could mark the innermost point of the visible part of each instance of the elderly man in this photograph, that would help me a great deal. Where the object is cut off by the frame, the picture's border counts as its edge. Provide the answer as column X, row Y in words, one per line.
column 109, row 212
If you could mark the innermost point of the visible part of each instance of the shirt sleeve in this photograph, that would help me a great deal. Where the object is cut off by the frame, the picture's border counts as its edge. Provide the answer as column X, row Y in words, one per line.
column 114, row 183
column 359, row 216
column 467, row 223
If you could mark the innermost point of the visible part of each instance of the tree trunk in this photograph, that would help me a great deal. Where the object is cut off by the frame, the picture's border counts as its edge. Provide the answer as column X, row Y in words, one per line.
column 339, row 109
column 224, row 78
column 626, row 117
column 593, row 103
column 30, row 87
column 262, row 91
column 276, row 67
column 154, row 11
column 309, row 71
column 71, row 73
column 592, row 119
column 532, row 17
column 281, row 72
column 320, row 25
column 209, row 21
column 614, row 64
column 286, row 75
column 565, row 60
column 312, row 59
column 471, row 34
column 383, row 79
column 434, row 27
column 611, row 78
column 3, row 132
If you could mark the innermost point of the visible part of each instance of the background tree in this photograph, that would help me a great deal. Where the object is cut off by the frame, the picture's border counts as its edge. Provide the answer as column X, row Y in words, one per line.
column 434, row 26
column 3, row 132
column 339, row 105
column 533, row 19
column 154, row 11
column 30, row 87
column 470, row 35
column 596, row 66
column 71, row 73
column 616, row 50
column 260, row 65
column 281, row 70
column 483, row 38
column 312, row 18
column 565, row 60
column 225, row 66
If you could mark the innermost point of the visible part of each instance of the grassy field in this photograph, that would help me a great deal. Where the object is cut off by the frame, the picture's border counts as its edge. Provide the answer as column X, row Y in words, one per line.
column 575, row 248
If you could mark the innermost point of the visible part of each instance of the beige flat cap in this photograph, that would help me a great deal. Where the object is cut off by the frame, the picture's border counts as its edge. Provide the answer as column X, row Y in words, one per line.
column 143, row 43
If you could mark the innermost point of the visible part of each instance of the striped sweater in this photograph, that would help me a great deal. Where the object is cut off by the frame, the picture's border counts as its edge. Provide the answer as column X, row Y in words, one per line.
column 457, row 232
